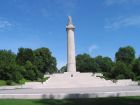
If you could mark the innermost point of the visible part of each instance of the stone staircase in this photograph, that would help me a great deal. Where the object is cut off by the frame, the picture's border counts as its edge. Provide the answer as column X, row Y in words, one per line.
column 79, row 80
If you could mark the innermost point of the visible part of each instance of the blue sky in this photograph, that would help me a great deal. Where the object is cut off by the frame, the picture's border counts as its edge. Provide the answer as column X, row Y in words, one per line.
column 102, row 26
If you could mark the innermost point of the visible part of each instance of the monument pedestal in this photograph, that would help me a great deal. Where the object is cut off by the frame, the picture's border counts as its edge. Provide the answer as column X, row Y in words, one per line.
column 82, row 80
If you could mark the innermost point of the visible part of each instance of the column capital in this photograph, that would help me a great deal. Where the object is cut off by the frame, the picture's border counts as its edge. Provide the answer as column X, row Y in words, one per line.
column 70, row 23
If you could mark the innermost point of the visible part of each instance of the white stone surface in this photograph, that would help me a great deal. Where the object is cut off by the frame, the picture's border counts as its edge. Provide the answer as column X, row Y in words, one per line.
column 83, row 80
column 71, row 62
column 61, row 93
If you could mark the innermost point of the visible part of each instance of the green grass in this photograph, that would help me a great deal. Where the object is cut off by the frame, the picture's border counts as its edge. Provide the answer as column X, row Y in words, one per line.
column 2, row 83
column 93, row 101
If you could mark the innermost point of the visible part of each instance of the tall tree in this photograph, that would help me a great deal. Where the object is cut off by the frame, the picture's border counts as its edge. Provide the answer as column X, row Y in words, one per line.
column 24, row 55
column 44, row 60
column 121, row 71
column 105, row 63
column 85, row 63
column 136, row 67
column 6, row 57
column 9, row 70
column 32, row 73
column 125, row 54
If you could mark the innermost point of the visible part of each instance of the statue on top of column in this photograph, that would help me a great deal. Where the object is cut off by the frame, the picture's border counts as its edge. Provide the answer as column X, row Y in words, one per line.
column 69, row 20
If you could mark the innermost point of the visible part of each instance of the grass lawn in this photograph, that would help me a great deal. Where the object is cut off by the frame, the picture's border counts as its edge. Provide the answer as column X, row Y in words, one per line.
column 93, row 101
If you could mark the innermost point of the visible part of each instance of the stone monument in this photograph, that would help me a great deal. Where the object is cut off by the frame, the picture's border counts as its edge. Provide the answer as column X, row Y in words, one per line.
column 71, row 84
column 73, row 79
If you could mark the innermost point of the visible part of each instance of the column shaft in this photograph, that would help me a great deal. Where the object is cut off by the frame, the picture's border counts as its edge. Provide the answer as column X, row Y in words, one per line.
column 71, row 63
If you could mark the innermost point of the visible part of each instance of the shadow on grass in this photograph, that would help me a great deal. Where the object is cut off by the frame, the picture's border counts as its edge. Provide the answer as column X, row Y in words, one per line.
column 93, row 101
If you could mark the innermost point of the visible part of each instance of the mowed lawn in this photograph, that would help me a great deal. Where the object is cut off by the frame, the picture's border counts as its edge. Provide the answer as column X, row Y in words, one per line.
column 93, row 101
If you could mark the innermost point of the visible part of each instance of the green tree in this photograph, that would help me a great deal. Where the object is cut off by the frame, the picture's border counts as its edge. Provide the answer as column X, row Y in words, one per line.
column 9, row 70
column 63, row 69
column 13, row 72
column 85, row 63
column 136, row 68
column 125, row 54
column 32, row 72
column 23, row 55
column 121, row 71
column 44, row 60
column 6, row 57
column 105, row 63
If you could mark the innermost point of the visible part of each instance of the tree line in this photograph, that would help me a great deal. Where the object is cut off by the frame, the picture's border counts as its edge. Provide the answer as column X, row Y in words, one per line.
column 26, row 65
column 31, row 65
column 125, row 66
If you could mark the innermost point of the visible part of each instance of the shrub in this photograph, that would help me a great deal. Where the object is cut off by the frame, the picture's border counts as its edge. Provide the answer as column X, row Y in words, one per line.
column 9, row 82
column 138, row 78
column 120, row 76
column 22, row 81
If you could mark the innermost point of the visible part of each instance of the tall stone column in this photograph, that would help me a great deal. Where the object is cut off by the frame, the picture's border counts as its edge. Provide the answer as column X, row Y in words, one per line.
column 71, row 62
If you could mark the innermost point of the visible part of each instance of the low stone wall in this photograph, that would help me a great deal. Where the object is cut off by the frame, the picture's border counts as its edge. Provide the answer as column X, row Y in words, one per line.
column 10, row 87
column 126, row 82
column 69, row 96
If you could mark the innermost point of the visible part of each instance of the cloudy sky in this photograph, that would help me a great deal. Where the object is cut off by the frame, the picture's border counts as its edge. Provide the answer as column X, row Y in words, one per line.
column 102, row 26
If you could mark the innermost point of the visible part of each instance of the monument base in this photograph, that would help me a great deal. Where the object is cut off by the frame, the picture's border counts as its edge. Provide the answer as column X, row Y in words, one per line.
column 82, row 80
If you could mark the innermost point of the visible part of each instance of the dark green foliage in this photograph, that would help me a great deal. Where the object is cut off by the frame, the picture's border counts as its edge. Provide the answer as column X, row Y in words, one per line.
column 32, row 65
column 23, row 55
column 121, row 71
column 123, row 68
column 105, row 63
column 137, row 77
column 32, row 72
column 9, row 70
column 6, row 57
column 136, row 68
column 85, row 63
column 12, row 72
column 26, row 65
column 44, row 61
column 9, row 82
column 125, row 54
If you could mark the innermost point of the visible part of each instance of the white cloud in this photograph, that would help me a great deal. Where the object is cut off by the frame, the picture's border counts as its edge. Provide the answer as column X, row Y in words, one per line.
column 92, row 48
column 121, row 2
column 122, row 22
column 4, row 24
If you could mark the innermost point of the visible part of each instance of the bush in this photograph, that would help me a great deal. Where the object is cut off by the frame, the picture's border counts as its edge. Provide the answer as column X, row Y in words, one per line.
column 138, row 78
column 9, row 82
column 22, row 81
column 120, row 76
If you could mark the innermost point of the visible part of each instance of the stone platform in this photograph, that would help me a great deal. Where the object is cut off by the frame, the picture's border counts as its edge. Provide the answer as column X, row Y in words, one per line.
column 73, row 80
column 71, row 85
column 78, row 80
